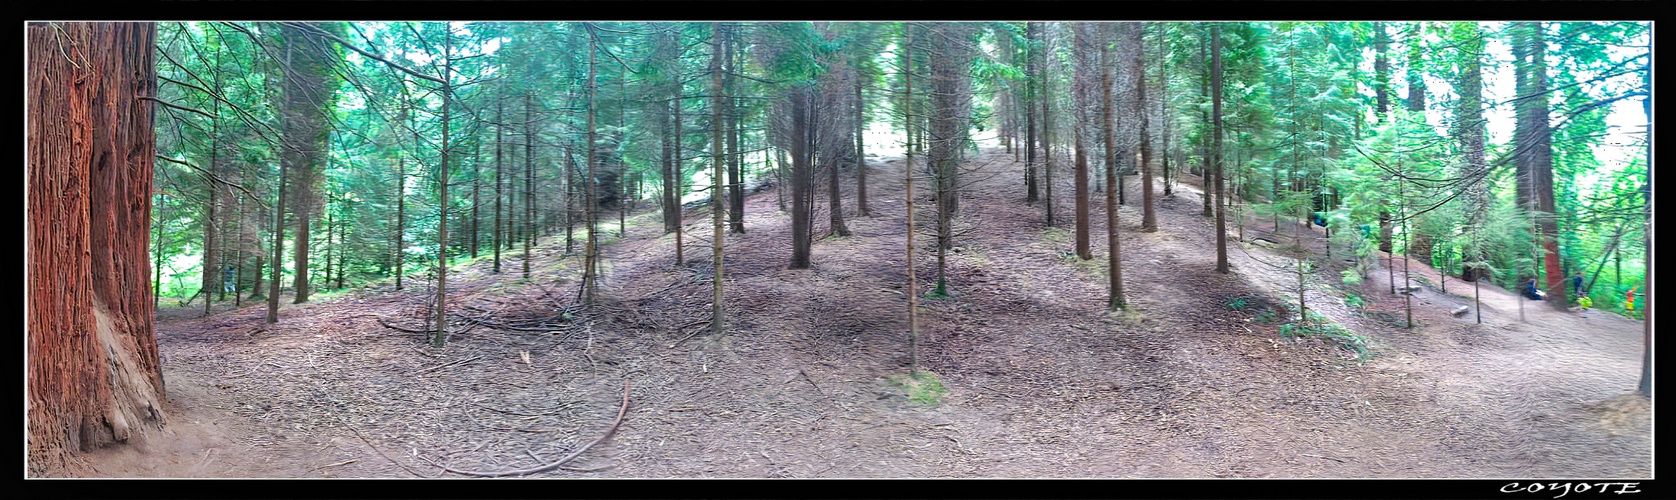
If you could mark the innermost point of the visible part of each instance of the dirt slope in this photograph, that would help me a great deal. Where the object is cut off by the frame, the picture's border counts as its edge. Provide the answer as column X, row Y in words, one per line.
column 1042, row 381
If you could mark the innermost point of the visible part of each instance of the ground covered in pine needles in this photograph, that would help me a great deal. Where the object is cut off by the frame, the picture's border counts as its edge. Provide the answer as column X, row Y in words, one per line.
column 1037, row 379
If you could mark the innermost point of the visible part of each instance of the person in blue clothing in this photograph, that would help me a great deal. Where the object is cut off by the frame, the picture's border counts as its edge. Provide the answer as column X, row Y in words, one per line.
column 1577, row 284
column 1529, row 290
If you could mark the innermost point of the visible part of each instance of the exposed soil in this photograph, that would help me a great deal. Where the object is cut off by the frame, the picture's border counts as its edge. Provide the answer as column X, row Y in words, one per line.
column 1042, row 381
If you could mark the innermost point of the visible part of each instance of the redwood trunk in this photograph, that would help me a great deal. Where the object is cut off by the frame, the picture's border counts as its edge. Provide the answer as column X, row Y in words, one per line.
column 93, row 372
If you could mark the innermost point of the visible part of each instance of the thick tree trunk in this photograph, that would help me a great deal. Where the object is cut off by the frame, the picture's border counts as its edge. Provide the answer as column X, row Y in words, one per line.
column 307, row 97
column 1381, row 74
column 1416, row 59
column 1470, row 132
column 801, row 179
column 92, row 367
column 950, row 54
column 1533, row 154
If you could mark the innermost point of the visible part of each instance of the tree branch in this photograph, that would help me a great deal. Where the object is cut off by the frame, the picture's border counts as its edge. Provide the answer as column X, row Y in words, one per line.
column 320, row 33
column 176, row 106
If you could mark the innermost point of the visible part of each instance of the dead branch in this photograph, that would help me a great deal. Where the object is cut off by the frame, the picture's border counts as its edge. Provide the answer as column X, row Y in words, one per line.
column 445, row 365
column 690, row 335
column 375, row 448
column 812, row 382
column 397, row 328
column 560, row 463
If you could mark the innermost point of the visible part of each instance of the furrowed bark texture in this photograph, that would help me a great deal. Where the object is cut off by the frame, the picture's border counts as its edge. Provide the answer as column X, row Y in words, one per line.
column 93, row 373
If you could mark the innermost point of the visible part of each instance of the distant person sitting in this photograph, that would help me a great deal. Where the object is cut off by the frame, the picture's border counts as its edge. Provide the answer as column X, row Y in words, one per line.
column 1530, row 291
column 1584, row 303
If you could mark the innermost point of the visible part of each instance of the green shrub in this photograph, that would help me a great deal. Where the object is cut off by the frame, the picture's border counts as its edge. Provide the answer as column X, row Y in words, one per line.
column 1346, row 339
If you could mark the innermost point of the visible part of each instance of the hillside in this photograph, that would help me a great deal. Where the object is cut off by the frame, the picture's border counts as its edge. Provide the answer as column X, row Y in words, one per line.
column 1041, row 381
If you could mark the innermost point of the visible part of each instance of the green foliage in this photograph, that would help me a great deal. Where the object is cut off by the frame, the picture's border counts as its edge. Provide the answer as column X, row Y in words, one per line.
column 1353, row 301
column 1343, row 337
column 1297, row 116
column 923, row 387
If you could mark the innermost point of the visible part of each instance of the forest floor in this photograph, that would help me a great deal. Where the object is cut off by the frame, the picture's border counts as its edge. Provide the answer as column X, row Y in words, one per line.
column 1041, row 381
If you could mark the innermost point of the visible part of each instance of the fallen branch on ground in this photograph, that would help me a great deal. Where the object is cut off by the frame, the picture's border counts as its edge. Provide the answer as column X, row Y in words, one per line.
column 1322, row 457
column 812, row 382
column 439, row 367
column 560, row 463
column 399, row 329
column 690, row 335
column 375, row 448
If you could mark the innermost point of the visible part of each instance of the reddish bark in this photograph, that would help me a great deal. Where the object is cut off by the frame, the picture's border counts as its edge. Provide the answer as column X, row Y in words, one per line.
column 93, row 374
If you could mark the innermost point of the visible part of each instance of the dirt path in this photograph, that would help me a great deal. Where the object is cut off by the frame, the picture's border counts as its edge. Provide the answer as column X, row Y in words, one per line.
column 1042, row 381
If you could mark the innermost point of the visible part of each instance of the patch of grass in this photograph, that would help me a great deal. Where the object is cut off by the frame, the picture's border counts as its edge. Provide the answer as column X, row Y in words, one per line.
column 1056, row 235
column 1353, row 301
column 923, row 387
column 1319, row 328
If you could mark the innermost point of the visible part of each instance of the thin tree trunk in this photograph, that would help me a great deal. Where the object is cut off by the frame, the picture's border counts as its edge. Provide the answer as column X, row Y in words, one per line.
column 1149, row 217
column 401, row 219
column 908, row 183
column 1216, row 112
column 529, row 182
column 440, row 336
column 476, row 176
column 279, row 247
column 716, row 160
column 500, row 180
column 1047, row 130
column 212, row 255
column 1086, row 65
column 680, row 173
column 860, row 143
column 238, row 251
column 1114, row 255
column 1031, row 35
column 588, row 264
column 735, row 177
column 1206, row 176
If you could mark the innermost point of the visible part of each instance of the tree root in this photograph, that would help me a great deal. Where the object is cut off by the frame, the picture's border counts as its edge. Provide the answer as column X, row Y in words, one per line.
column 400, row 329
column 560, row 462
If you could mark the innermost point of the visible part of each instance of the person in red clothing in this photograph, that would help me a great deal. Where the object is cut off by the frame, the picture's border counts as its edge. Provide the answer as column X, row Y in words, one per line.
column 1629, row 300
